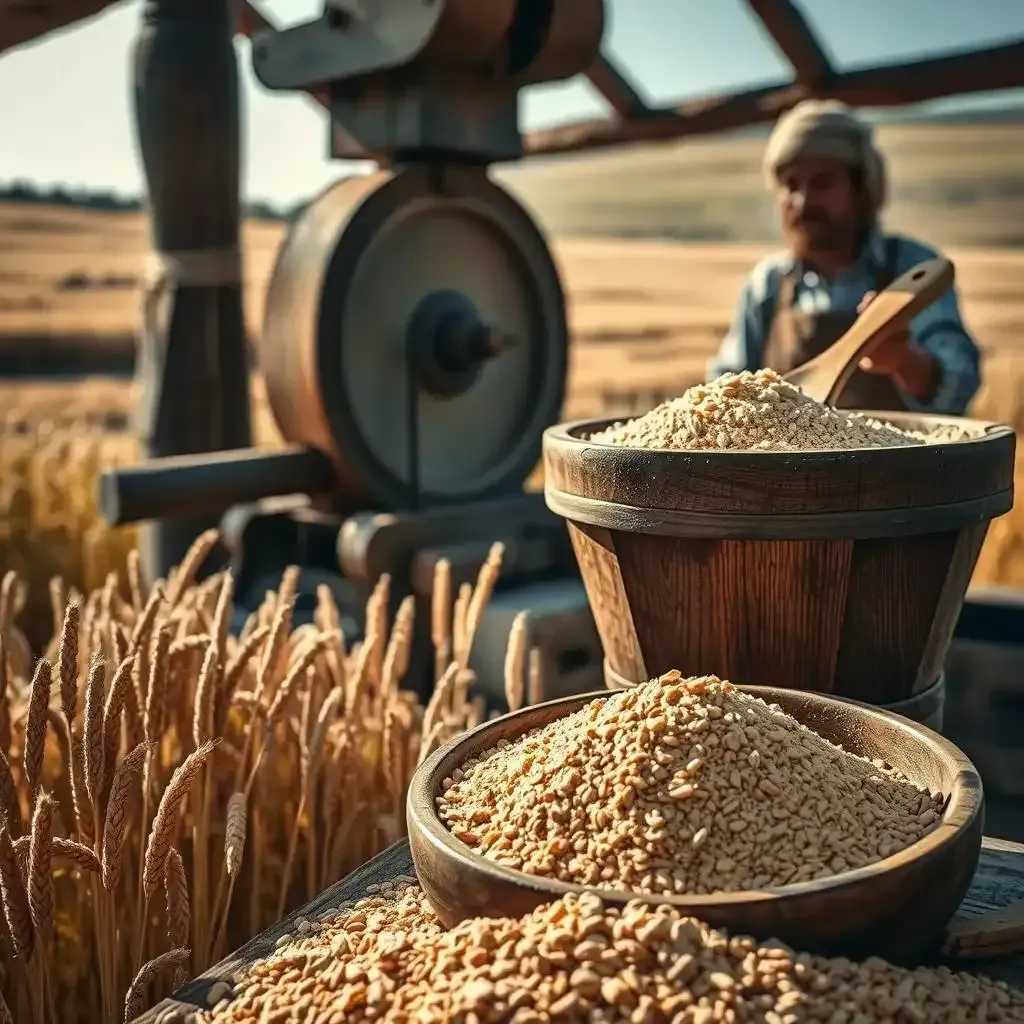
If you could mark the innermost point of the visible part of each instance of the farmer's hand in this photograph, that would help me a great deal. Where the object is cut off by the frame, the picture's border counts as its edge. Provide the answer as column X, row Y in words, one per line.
column 897, row 356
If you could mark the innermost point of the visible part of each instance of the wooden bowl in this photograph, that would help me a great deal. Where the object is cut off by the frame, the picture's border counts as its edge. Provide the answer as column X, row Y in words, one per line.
column 836, row 571
column 897, row 908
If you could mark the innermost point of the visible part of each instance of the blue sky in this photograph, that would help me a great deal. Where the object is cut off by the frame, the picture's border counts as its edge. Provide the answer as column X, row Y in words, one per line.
column 64, row 114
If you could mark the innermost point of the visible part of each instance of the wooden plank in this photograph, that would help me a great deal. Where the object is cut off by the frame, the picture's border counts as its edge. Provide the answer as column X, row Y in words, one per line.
column 23, row 22
column 998, row 882
column 616, row 88
column 788, row 26
column 394, row 861
column 998, row 67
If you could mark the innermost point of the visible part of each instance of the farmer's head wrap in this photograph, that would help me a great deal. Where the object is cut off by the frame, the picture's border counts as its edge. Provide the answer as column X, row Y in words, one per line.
column 827, row 129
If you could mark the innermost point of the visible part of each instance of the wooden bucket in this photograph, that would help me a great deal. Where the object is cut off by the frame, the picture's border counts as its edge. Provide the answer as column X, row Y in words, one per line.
column 836, row 571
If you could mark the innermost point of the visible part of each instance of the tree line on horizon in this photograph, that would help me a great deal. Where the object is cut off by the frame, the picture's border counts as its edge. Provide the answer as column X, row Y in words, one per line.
column 108, row 200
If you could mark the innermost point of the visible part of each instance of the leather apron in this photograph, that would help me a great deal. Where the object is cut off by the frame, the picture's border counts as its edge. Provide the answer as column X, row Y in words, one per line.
column 797, row 335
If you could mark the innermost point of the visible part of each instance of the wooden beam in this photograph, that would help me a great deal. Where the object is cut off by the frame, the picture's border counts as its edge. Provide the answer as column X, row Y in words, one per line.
column 788, row 26
column 619, row 93
column 22, row 21
column 988, row 70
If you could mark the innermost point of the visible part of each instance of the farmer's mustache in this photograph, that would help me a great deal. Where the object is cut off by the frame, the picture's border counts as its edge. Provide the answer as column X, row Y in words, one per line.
column 810, row 218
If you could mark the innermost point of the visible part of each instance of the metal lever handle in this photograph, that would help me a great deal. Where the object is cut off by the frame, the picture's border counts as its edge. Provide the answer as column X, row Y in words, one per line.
column 189, row 486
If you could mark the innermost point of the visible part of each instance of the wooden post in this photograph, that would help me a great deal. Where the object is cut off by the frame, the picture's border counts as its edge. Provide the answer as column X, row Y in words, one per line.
column 193, row 367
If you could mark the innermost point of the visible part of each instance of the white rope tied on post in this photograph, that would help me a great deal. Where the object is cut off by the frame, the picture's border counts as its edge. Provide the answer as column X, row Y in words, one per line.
column 209, row 268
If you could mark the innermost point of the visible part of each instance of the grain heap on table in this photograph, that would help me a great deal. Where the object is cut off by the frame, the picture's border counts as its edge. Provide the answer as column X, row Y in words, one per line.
column 752, row 411
column 386, row 959
column 682, row 786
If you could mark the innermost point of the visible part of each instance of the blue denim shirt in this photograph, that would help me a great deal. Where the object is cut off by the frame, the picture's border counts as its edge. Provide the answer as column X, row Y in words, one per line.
column 939, row 328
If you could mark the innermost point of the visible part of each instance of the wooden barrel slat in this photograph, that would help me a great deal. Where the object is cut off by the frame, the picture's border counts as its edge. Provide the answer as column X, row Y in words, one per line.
column 840, row 572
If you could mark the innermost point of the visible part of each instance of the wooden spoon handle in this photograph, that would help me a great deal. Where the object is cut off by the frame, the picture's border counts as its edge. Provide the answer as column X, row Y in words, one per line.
column 824, row 377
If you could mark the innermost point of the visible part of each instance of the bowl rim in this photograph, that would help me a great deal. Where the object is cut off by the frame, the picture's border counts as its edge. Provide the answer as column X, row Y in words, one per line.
column 965, row 802
column 987, row 430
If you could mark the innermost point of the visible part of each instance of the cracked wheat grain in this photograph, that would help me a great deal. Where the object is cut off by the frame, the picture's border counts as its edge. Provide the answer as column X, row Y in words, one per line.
column 752, row 411
column 386, row 959
column 682, row 786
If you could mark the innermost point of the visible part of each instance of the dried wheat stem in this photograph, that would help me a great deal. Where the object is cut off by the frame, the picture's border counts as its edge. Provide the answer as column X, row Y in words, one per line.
column 40, row 867
column 134, row 1001
column 296, row 672
column 222, row 616
column 58, row 603
column 115, row 700
column 10, row 810
column 179, row 917
column 5, row 701
column 35, row 726
column 427, row 746
column 7, row 600
column 515, row 663
column 168, row 813
column 393, row 745
column 377, row 625
column 234, row 849
column 459, row 623
column 438, row 699
column 15, row 899
column 95, row 765
column 486, row 581
column 117, row 810
column 234, row 672
column 325, row 717
column 360, row 676
column 185, row 575
column 77, row 853
column 135, row 583
column 206, row 688
column 155, row 707
column 441, row 616
column 279, row 629
column 68, row 662
column 144, row 624
column 396, row 657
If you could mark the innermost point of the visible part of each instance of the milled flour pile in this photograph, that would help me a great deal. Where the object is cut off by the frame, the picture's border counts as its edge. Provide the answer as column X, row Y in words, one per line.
column 386, row 959
column 752, row 411
column 682, row 786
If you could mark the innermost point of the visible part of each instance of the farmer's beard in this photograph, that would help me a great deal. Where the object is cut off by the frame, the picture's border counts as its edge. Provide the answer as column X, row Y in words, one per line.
column 817, row 238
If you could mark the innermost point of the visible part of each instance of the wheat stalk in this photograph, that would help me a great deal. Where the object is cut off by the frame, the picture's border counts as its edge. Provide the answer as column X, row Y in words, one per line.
column 134, row 1001
column 35, row 726
column 276, row 699
column 168, row 812
column 68, row 662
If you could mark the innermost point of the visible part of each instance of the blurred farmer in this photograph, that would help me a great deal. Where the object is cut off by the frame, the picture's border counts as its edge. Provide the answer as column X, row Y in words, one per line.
column 829, row 184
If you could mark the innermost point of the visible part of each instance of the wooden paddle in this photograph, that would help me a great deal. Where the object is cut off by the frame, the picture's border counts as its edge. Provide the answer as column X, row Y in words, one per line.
column 824, row 377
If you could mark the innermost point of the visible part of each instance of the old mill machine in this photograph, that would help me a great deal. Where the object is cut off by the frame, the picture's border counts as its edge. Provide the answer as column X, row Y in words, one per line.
column 415, row 343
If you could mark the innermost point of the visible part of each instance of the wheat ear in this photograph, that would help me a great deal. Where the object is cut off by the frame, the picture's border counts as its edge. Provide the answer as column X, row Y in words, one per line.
column 134, row 1001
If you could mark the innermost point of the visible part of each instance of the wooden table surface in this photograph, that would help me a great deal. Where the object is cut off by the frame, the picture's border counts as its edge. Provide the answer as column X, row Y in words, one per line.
column 998, row 882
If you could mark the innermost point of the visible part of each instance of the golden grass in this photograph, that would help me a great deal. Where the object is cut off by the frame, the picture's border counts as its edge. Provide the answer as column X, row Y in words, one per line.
column 168, row 790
